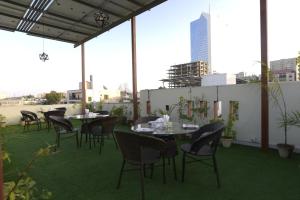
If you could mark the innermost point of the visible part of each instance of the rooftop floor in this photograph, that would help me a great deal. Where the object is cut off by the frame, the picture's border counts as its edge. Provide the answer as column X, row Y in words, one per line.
column 245, row 172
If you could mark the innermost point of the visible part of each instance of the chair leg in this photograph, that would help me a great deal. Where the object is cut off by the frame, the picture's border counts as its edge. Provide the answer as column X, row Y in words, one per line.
column 115, row 140
column 101, row 143
column 152, row 169
column 121, row 173
column 174, row 168
column 77, row 142
column 164, row 170
column 183, row 167
column 216, row 171
column 58, row 140
column 142, row 180
column 80, row 139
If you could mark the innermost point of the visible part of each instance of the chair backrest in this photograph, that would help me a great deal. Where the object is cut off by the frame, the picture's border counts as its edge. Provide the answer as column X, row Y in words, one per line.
column 60, row 113
column 210, row 135
column 146, row 119
column 102, row 112
column 60, row 123
column 205, row 128
column 107, row 125
column 132, row 145
column 28, row 115
column 61, row 108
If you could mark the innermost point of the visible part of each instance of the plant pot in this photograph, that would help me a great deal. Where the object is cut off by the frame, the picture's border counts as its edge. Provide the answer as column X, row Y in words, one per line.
column 226, row 142
column 285, row 150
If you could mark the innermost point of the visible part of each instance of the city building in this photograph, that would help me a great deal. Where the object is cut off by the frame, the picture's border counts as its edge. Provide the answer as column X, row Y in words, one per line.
column 218, row 79
column 185, row 75
column 285, row 69
column 75, row 96
column 242, row 78
column 201, row 40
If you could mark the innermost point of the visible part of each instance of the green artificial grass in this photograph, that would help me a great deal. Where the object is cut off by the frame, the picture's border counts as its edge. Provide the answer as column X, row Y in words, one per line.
column 83, row 174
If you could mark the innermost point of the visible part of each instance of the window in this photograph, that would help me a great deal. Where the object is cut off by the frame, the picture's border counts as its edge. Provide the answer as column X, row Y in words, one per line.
column 234, row 109
column 106, row 97
column 89, row 98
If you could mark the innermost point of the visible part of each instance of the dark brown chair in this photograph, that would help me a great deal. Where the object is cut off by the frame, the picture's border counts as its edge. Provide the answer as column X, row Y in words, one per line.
column 47, row 114
column 99, row 128
column 102, row 112
column 139, row 150
column 203, row 147
column 30, row 118
column 61, row 108
column 171, row 146
column 63, row 127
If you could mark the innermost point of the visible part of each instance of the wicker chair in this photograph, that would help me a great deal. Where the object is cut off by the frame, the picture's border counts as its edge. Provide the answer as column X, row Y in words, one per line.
column 99, row 128
column 30, row 118
column 203, row 146
column 47, row 114
column 139, row 150
column 63, row 127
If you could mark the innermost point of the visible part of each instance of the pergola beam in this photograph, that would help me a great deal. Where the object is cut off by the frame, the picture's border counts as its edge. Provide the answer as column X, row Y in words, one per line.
column 83, row 89
column 264, row 76
column 134, row 74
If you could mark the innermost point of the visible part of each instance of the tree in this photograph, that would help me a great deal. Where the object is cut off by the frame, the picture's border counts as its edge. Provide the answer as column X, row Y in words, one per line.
column 53, row 97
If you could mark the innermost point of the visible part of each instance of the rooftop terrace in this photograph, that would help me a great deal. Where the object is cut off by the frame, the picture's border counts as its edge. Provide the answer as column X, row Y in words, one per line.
column 245, row 172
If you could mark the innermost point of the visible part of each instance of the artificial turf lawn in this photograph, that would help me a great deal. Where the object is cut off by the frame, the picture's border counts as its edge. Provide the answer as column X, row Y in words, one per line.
column 83, row 174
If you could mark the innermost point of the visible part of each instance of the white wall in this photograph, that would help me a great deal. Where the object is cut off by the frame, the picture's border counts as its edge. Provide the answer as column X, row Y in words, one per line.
column 248, row 126
column 13, row 115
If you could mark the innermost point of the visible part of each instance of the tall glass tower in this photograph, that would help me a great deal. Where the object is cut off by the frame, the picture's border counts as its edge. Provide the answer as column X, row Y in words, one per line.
column 200, row 40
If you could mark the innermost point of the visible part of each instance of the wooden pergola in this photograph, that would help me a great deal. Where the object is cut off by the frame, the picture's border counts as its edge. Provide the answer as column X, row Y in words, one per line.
column 78, row 21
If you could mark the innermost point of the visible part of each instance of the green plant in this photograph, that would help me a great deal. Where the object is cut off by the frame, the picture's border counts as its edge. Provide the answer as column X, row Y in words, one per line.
column 229, row 131
column 24, row 187
column 118, row 111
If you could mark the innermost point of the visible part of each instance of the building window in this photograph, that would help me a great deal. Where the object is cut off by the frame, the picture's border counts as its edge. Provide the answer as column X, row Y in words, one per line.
column 234, row 109
column 105, row 97
column 89, row 99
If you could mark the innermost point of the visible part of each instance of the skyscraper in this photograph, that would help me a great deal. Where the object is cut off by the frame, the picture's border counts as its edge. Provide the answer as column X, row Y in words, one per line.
column 200, row 40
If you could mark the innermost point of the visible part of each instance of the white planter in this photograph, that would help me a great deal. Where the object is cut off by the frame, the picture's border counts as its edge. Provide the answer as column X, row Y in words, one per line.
column 226, row 142
column 285, row 150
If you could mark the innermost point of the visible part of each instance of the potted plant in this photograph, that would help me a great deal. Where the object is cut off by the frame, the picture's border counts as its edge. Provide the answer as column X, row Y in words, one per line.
column 229, row 132
column 285, row 150
column 119, row 111
column 2, row 121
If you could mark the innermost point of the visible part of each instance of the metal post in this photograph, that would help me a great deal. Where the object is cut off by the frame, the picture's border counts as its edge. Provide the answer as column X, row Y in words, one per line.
column 264, row 76
column 134, row 79
column 83, row 89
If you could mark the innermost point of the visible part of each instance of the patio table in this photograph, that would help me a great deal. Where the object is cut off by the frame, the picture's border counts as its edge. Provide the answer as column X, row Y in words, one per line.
column 167, row 129
column 85, row 118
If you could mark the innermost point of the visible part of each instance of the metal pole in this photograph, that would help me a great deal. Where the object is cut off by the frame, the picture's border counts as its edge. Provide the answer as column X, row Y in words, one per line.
column 83, row 89
column 264, row 76
column 134, row 79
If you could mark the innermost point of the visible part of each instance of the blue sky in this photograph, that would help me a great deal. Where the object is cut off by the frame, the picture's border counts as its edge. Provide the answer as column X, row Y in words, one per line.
column 163, row 39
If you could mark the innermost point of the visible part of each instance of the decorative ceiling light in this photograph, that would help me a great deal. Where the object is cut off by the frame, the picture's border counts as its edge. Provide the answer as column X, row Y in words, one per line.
column 43, row 56
column 101, row 18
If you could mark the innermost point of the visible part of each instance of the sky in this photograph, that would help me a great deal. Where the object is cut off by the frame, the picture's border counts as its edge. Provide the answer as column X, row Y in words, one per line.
column 163, row 39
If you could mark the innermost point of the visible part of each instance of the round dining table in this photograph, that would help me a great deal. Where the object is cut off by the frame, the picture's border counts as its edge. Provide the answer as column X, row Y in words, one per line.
column 165, row 129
